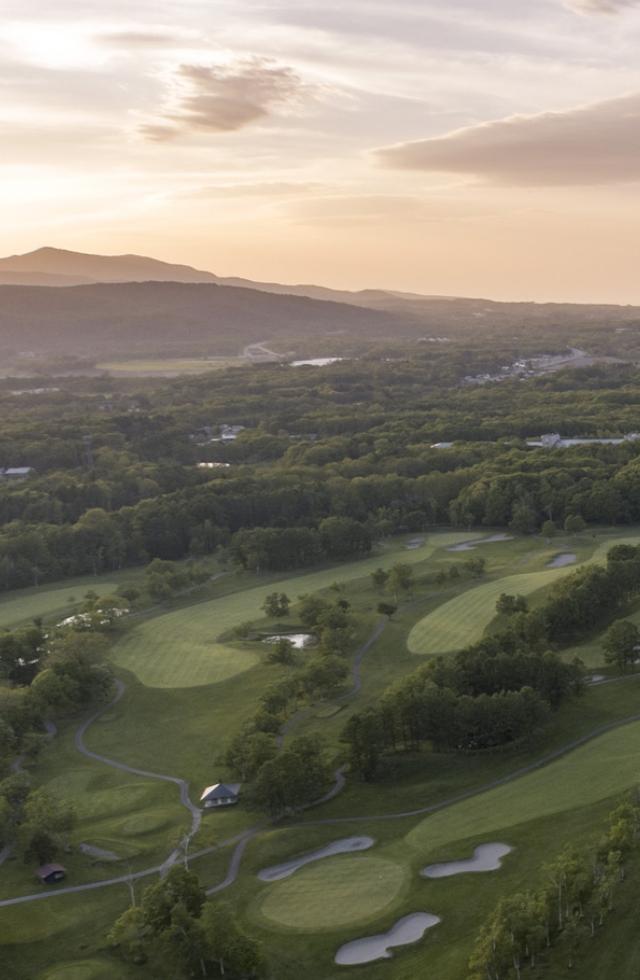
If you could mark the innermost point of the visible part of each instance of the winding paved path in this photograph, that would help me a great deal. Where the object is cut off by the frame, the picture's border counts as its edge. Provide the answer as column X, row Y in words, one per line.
column 242, row 840
column 182, row 784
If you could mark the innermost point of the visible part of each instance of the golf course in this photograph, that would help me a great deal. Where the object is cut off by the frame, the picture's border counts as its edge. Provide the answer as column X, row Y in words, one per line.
column 189, row 680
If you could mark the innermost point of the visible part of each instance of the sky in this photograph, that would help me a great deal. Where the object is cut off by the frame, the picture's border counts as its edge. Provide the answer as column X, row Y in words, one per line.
column 452, row 147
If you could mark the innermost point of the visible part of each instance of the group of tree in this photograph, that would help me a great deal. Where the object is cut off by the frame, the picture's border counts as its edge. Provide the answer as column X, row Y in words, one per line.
column 178, row 934
column 33, row 822
column 527, row 930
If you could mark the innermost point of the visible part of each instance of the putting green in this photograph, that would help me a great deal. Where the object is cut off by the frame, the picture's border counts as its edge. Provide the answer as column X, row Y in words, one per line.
column 46, row 602
column 179, row 649
column 463, row 620
column 602, row 768
column 334, row 893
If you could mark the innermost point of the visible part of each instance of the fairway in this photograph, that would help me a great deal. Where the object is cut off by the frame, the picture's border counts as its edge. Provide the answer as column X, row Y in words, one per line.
column 179, row 649
column 463, row 620
column 338, row 892
column 49, row 601
column 607, row 766
column 168, row 368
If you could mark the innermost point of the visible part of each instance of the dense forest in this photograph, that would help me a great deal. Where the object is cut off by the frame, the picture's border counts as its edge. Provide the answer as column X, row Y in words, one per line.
column 117, row 479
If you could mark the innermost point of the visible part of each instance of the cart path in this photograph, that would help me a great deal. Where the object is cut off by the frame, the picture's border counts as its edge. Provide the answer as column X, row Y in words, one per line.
column 242, row 840
column 356, row 684
column 182, row 784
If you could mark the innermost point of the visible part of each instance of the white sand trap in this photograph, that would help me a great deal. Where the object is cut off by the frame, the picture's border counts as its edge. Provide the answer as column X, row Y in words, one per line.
column 297, row 640
column 474, row 542
column 414, row 544
column 408, row 930
column 597, row 679
column 486, row 857
column 345, row 846
column 560, row 561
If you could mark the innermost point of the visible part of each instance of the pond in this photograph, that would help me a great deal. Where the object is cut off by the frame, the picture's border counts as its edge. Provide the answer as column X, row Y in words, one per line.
column 297, row 640
column 486, row 857
column 348, row 845
column 406, row 931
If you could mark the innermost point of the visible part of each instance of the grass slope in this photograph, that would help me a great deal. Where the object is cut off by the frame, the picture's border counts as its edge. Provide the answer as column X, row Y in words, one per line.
column 179, row 649
column 49, row 601
column 463, row 620
column 604, row 767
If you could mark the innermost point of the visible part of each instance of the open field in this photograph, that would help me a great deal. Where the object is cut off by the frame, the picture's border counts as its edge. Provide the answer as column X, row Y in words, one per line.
column 169, row 367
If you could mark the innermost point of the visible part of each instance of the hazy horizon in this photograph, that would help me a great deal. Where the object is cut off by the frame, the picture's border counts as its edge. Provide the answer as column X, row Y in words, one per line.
column 463, row 152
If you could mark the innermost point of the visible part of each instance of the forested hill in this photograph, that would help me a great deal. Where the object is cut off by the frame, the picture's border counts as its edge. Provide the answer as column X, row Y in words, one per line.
column 158, row 317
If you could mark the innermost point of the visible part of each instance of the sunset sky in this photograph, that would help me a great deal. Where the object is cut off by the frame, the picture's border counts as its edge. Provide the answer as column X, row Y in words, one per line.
column 466, row 147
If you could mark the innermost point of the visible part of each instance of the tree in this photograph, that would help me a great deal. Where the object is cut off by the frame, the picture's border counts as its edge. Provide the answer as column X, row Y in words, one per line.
column 276, row 605
column 574, row 524
column 549, row 530
column 281, row 652
column 45, row 827
column 249, row 751
column 387, row 609
column 621, row 643
column 400, row 579
column 380, row 578
column 508, row 605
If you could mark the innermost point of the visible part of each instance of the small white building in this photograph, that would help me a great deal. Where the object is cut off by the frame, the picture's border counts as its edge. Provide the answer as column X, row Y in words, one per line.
column 220, row 794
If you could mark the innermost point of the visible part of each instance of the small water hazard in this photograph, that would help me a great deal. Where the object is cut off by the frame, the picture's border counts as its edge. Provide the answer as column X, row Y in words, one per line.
column 348, row 845
column 408, row 930
column 486, row 857
column 561, row 561
column 297, row 640
column 475, row 542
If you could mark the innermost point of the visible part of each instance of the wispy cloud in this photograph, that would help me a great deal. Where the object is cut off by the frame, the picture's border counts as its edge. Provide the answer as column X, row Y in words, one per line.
column 599, row 6
column 594, row 144
column 220, row 99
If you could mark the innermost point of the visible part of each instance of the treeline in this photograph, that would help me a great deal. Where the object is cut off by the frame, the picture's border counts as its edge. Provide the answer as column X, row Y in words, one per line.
column 501, row 689
column 564, row 914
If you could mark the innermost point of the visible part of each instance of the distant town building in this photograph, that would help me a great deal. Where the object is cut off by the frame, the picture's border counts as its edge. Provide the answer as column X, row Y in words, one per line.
column 553, row 440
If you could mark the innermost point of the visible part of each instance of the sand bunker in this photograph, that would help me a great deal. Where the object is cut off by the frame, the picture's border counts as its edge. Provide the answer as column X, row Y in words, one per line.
column 560, row 561
column 474, row 542
column 486, row 857
column 345, row 846
column 407, row 930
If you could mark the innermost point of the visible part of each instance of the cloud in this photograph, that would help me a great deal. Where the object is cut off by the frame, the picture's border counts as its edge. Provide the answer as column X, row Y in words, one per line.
column 599, row 6
column 221, row 99
column 143, row 39
column 590, row 145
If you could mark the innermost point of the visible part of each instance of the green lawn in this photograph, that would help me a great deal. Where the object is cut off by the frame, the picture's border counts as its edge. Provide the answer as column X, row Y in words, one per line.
column 463, row 620
column 333, row 893
column 168, row 367
column 48, row 601
column 600, row 769
column 179, row 648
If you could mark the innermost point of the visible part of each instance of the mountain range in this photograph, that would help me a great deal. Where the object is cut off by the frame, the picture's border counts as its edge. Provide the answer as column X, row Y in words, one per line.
column 54, row 301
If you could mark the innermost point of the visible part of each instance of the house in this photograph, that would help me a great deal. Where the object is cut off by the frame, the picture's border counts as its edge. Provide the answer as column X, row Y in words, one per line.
column 229, row 433
column 48, row 874
column 17, row 472
column 220, row 794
